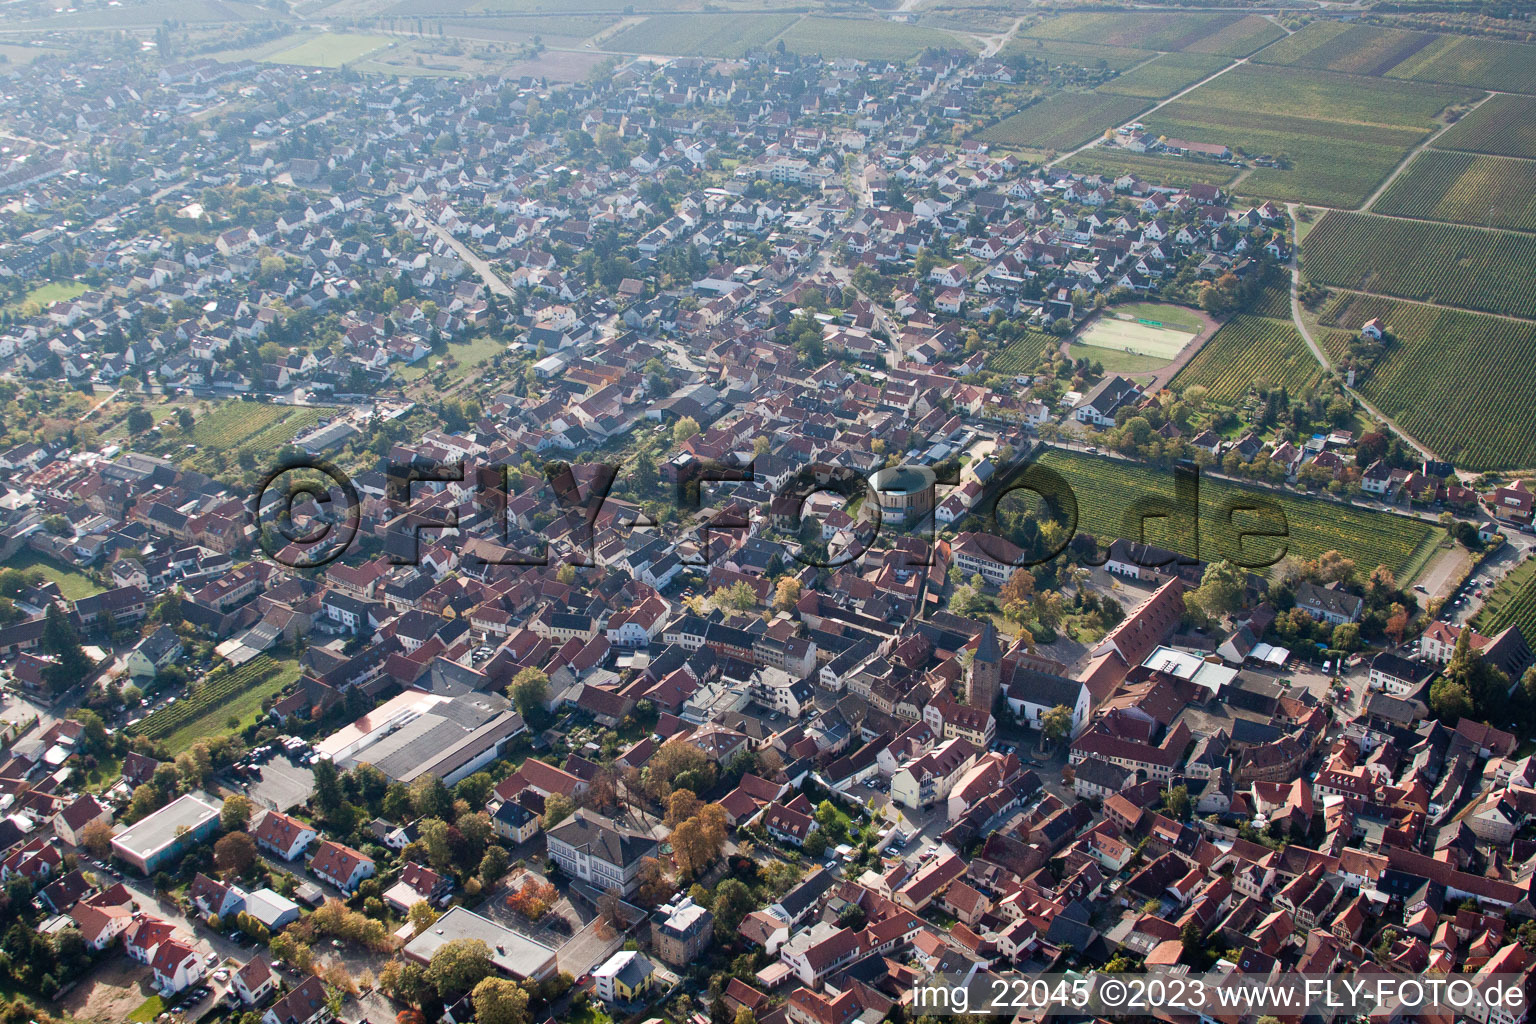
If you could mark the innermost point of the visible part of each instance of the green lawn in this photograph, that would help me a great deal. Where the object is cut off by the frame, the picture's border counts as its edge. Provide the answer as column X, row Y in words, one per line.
column 73, row 583
column 1171, row 316
column 244, row 704
column 329, row 50
column 1116, row 360
column 469, row 354
column 47, row 294
column 865, row 39
column 148, row 1010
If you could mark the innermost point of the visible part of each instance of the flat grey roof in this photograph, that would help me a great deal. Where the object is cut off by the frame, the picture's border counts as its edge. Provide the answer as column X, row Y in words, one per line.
column 515, row 954
column 154, row 833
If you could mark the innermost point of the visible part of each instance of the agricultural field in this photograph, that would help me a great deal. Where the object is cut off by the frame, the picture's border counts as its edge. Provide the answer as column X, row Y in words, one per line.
column 1484, row 63
column 1166, row 75
column 1251, row 351
column 236, row 693
column 329, row 50
column 1447, row 379
column 1229, row 34
column 1022, row 353
column 1158, row 170
column 1323, row 96
column 234, row 421
column 1512, row 603
column 1407, row 55
column 1084, row 55
column 1107, row 488
column 699, row 35
column 864, row 39
column 236, row 428
column 1274, row 301
column 1337, row 46
column 1503, row 126
column 1338, row 137
column 1443, row 263
column 1064, row 120
column 1465, row 188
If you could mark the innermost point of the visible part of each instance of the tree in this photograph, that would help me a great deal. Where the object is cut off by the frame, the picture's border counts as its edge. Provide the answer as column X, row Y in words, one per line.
column 698, row 842
column 236, row 813
column 406, row 980
column 654, row 886
column 529, row 692
column 1221, row 589
column 1177, row 801
column 733, row 901
column 678, row 763
column 459, row 965
column 139, row 420
column 422, row 916
column 683, row 429
column 235, row 852
column 328, row 795
column 1449, row 700
column 1017, row 589
column 1056, row 724
column 533, row 898
column 59, row 639
column 1346, row 637
column 500, row 1001
column 681, row 806
column 493, row 864
column 97, row 837
column 557, row 808
column 787, row 594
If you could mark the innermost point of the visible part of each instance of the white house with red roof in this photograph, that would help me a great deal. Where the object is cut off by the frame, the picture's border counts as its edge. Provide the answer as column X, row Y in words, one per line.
column 100, row 926
column 284, row 835
column 176, row 966
column 254, row 982
column 69, row 823
column 342, row 866
column 144, row 936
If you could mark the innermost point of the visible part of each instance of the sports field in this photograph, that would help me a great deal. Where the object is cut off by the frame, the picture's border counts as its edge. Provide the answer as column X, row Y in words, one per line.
column 1125, row 332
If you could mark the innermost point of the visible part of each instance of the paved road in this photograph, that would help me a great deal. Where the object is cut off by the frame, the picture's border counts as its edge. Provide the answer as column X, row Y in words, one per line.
column 486, row 272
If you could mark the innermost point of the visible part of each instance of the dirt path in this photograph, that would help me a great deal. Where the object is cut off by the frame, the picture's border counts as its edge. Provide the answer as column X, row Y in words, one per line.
column 1322, row 357
column 1153, row 109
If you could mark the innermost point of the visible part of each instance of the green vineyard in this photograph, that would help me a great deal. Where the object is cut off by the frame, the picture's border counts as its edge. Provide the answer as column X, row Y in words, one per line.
column 1446, row 379
column 1513, row 603
column 167, row 720
column 1251, row 351
column 1065, row 120
column 1503, row 126
column 1107, row 488
column 1443, row 263
column 1465, row 188
column 1022, row 353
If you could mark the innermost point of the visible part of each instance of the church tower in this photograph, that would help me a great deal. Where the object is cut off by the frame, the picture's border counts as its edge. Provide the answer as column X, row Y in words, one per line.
column 986, row 675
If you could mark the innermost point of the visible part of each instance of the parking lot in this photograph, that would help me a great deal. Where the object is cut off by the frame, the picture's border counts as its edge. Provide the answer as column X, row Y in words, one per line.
column 284, row 783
